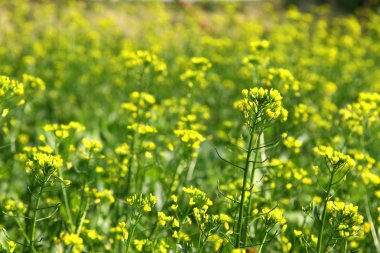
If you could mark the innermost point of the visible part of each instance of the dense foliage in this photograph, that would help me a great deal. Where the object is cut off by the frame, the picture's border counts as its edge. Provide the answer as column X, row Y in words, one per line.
column 188, row 128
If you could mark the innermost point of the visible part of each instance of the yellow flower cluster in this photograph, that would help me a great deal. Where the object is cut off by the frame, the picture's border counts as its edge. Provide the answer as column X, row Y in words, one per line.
column 106, row 194
column 144, row 59
column 142, row 98
column 226, row 220
column 257, row 57
column 31, row 82
column 337, row 159
column 197, row 197
column 292, row 143
column 274, row 217
column 11, row 95
column 93, row 235
column 197, row 72
column 72, row 239
column 260, row 45
column 260, row 104
column 344, row 217
column 201, row 63
column 163, row 219
column 10, row 87
column 363, row 114
column 91, row 145
column 181, row 236
column 191, row 138
column 205, row 220
column 141, row 202
column 139, row 244
column 147, row 245
column 120, row 230
column 301, row 113
column 200, row 204
column 122, row 149
column 282, row 79
column 191, row 121
column 49, row 163
column 63, row 130
column 13, row 207
column 142, row 128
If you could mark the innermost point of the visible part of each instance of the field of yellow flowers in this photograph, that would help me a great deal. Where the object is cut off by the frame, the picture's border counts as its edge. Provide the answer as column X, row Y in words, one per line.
column 225, row 127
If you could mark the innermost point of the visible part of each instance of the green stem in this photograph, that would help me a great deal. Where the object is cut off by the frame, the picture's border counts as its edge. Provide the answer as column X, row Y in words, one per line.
column 130, row 164
column 320, row 234
column 133, row 231
column 66, row 201
column 34, row 220
column 203, row 243
column 200, row 241
column 82, row 197
column 245, row 179
column 82, row 213
column 79, row 228
column 263, row 242
column 345, row 245
column 23, row 230
column 373, row 229
column 249, row 210
column 28, row 213
column 141, row 171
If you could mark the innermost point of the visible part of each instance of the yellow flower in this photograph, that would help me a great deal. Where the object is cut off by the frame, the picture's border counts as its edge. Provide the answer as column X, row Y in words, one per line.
column 238, row 251
column 11, row 246
column 297, row 233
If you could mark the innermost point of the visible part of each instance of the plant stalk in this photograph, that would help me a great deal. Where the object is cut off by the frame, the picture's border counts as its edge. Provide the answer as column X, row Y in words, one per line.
column 262, row 244
column 320, row 234
column 245, row 179
column 34, row 220
column 133, row 231
column 66, row 201
column 249, row 209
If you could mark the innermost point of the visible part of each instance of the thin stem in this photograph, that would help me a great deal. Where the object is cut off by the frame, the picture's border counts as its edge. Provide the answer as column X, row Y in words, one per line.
column 79, row 228
column 203, row 243
column 373, row 229
column 133, row 231
column 245, row 179
column 345, row 245
column 320, row 234
column 22, row 229
column 28, row 212
column 262, row 244
column 130, row 164
column 34, row 220
column 199, row 242
column 66, row 201
column 249, row 210
column 82, row 213
column 82, row 197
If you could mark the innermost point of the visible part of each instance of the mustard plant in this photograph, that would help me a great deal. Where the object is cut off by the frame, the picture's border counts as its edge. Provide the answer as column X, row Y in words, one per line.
column 260, row 108
column 140, row 205
column 42, row 172
column 338, row 166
